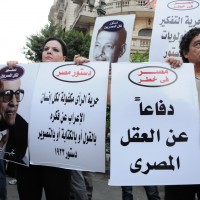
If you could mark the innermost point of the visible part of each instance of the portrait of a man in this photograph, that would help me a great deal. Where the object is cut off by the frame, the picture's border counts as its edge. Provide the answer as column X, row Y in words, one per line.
column 13, row 128
column 112, row 41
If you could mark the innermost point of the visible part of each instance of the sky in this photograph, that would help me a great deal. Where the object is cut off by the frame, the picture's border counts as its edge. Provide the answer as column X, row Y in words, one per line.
column 18, row 20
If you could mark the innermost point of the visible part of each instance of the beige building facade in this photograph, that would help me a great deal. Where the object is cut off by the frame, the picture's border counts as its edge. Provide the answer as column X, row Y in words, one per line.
column 76, row 14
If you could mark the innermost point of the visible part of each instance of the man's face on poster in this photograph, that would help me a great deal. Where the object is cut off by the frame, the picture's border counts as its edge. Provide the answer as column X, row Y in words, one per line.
column 106, row 47
column 10, row 95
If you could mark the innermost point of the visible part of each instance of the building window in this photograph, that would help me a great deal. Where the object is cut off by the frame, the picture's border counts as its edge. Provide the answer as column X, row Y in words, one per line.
column 145, row 32
column 141, row 3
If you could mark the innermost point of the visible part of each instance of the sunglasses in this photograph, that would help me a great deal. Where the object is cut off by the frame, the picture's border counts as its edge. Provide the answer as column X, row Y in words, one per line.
column 7, row 95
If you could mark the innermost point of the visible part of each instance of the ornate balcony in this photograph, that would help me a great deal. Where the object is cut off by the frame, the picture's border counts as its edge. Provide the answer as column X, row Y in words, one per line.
column 127, row 7
column 136, row 7
column 84, row 16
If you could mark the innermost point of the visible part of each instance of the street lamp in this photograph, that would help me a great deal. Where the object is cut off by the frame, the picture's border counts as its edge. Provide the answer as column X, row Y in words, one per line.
column 100, row 9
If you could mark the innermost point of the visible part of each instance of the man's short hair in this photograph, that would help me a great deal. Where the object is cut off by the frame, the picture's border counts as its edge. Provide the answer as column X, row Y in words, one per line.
column 185, row 42
column 121, row 31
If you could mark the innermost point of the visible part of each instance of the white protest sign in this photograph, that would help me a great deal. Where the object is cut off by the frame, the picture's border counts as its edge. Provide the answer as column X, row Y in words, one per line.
column 67, row 126
column 154, row 125
column 171, row 21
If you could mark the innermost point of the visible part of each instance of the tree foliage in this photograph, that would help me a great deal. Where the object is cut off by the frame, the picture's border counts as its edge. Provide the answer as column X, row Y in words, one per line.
column 77, row 42
column 140, row 57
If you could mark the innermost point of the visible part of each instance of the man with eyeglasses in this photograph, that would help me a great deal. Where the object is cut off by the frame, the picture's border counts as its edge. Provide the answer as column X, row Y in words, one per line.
column 13, row 144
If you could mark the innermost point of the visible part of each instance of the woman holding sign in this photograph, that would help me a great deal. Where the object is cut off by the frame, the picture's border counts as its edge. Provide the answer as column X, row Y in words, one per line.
column 33, row 179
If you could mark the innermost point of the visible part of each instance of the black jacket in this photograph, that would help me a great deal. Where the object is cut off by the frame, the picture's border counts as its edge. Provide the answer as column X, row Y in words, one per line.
column 17, row 141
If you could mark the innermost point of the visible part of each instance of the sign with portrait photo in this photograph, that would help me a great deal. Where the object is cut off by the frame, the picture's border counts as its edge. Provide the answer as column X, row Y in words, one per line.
column 111, row 38
column 16, row 89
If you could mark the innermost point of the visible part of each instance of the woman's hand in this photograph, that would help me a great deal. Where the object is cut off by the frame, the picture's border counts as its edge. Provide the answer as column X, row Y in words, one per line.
column 174, row 62
column 78, row 60
column 12, row 63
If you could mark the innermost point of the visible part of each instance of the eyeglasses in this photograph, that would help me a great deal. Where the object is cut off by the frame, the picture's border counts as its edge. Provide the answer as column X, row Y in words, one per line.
column 7, row 95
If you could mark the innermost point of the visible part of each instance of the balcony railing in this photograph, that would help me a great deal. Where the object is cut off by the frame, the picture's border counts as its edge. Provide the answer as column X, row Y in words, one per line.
column 140, row 44
column 115, row 7
column 125, row 3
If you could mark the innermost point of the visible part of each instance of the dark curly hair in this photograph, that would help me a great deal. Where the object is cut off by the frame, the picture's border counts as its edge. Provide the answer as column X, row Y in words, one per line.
column 185, row 42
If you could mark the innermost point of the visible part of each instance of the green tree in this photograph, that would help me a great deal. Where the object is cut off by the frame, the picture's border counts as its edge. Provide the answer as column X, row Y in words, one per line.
column 140, row 57
column 77, row 42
